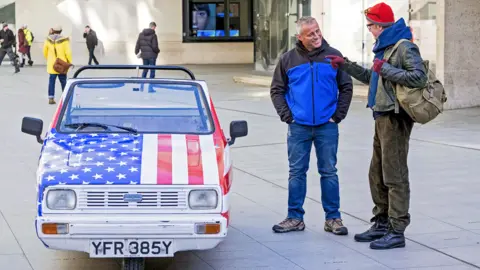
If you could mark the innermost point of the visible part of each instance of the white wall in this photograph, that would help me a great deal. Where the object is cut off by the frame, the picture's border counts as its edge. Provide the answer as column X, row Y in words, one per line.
column 425, row 36
column 117, row 23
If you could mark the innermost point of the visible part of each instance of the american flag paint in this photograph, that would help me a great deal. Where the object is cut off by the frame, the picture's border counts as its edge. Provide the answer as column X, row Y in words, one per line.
column 129, row 159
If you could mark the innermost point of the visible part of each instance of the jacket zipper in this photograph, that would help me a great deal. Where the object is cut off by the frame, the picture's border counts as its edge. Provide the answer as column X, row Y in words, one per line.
column 313, row 95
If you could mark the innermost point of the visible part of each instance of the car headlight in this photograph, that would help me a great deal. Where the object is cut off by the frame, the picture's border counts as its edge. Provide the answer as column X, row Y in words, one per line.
column 203, row 199
column 61, row 199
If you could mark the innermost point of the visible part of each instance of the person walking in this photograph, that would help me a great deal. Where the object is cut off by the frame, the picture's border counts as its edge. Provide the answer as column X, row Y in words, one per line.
column 388, row 175
column 92, row 41
column 312, row 98
column 29, row 38
column 7, row 45
column 147, row 49
column 22, row 46
column 56, row 46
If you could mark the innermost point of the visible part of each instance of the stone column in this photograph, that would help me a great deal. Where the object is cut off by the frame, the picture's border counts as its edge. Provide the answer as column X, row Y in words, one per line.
column 458, row 51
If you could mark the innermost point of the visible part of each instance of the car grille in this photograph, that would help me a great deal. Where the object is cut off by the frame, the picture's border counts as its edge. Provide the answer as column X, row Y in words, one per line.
column 114, row 199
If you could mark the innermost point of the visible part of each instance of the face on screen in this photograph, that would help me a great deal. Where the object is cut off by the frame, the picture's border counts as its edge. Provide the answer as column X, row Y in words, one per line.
column 200, row 19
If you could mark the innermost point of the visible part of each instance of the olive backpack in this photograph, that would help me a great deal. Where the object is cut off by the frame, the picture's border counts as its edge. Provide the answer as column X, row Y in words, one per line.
column 422, row 104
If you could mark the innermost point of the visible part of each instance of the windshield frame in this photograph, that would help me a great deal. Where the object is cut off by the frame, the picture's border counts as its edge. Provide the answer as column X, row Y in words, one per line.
column 66, row 104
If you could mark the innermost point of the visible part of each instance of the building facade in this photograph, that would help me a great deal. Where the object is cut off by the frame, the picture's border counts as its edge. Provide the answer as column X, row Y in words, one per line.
column 194, row 31
column 257, row 32
column 343, row 26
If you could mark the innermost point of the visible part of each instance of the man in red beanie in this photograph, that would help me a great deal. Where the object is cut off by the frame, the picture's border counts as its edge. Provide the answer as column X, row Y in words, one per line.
column 388, row 175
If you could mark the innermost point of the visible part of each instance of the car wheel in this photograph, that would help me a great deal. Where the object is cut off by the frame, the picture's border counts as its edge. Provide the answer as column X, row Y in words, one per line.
column 133, row 264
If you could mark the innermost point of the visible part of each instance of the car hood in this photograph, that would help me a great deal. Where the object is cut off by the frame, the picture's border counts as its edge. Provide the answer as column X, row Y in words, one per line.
column 121, row 159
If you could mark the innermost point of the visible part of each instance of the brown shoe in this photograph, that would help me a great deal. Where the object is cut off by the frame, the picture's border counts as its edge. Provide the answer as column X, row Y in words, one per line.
column 288, row 225
column 51, row 101
column 335, row 226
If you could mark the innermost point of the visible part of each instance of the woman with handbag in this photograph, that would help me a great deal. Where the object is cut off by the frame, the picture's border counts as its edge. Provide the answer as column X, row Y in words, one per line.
column 58, row 54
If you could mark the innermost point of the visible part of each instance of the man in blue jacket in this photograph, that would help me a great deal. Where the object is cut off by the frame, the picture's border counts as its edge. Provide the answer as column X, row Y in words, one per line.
column 312, row 98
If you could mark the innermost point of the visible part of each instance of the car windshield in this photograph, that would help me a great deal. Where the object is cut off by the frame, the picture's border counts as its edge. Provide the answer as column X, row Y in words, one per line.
column 160, row 107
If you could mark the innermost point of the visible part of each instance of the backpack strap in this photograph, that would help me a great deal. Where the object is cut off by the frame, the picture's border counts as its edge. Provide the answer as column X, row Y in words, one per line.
column 387, row 57
column 392, row 50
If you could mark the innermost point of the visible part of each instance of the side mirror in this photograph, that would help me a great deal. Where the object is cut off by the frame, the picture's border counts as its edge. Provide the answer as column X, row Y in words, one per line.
column 237, row 129
column 33, row 126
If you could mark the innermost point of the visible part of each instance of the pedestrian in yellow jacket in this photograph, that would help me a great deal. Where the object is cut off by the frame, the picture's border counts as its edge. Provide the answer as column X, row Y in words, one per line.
column 56, row 46
column 29, row 40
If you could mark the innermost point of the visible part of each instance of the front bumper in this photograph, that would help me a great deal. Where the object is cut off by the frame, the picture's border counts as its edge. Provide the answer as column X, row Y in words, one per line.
column 86, row 233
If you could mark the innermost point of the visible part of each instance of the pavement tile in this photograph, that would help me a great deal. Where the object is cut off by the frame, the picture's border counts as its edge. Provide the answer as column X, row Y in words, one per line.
column 269, row 263
column 406, row 257
column 14, row 262
column 448, row 239
column 42, row 263
column 182, row 260
column 337, row 261
column 423, row 225
column 199, row 265
column 466, row 253
column 8, row 243
column 450, row 267
column 253, row 255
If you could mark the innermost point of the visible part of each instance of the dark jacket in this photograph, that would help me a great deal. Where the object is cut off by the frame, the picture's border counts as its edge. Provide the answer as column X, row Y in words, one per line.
column 404, row 67
column 91, row 39
column 147, row 43
column 306, row 88
column 8, row 38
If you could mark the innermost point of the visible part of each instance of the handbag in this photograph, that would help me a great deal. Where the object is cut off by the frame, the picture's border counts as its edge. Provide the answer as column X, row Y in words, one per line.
column 60, row 66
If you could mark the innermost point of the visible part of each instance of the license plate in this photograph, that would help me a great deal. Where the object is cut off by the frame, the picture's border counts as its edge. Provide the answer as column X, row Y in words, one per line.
column 131, row 248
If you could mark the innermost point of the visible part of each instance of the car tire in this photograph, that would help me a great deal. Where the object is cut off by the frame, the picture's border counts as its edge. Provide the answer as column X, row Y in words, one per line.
column 133, row 264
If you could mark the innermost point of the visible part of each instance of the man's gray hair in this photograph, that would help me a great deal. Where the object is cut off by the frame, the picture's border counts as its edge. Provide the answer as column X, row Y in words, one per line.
column 304, row 20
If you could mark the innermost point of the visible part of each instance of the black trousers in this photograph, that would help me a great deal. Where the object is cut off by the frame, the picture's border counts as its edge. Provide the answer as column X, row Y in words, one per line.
column 11, row 56
column 91, row 52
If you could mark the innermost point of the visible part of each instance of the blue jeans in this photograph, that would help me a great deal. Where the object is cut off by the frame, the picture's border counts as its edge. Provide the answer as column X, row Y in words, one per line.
column 299, row 141
column 51, row 83
column 150, row 62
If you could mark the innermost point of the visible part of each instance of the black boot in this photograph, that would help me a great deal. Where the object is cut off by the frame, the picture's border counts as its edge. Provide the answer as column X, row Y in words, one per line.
column 378, row 230
column 17, row 68
column 390, row 240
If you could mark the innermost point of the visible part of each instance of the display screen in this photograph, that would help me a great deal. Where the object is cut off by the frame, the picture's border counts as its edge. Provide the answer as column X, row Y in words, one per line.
column 208, row 19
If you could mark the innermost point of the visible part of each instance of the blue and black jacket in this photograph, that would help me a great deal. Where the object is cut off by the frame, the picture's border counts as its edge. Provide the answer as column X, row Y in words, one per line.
column 307, row 89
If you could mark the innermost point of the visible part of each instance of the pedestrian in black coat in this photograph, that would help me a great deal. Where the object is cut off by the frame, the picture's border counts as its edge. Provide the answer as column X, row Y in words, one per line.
column 147, row 48
column 92, row 41
column 7, row 46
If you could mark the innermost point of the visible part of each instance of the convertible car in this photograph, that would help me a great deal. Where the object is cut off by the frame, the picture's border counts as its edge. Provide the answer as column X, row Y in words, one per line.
column 133, row 168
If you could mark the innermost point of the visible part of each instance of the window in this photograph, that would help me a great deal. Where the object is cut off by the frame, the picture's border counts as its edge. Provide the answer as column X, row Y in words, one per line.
column 112, row 106
column 7, row 13
column 210, row 20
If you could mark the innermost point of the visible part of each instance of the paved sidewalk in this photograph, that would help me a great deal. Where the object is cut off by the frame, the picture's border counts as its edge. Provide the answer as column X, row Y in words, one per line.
column 444, row 158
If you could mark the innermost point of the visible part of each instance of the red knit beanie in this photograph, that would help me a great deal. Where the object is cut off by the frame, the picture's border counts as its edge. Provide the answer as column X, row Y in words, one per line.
column 381, row 14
